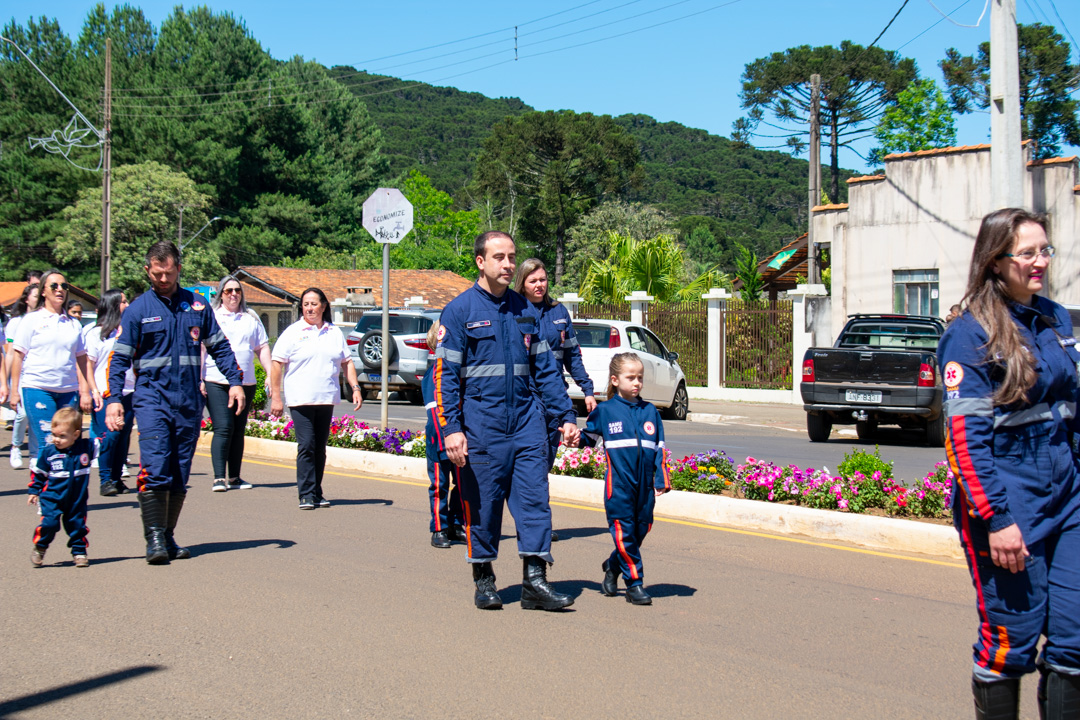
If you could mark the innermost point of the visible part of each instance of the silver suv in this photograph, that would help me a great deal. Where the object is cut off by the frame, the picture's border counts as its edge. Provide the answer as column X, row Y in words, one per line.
column 408, row 358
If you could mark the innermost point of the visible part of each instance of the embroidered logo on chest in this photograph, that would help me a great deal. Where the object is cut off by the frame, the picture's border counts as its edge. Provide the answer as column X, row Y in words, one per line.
column 155, row 319
column 84, row 459
column 528, row 341
column 478, row 323
column 195, row 334
column 614, row 428
column 649, row 428
column 198, row 306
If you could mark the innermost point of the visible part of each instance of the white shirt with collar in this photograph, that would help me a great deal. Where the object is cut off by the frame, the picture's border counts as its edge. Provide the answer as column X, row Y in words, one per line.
column 49, row 342
column 97, row 350
column 314, row 355
column 246, row 336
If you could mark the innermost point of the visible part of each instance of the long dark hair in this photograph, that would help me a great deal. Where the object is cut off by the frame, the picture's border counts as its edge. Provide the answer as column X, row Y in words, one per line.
column 327, row 315
column 988, row 301
column 22, row 306
column 108, row 311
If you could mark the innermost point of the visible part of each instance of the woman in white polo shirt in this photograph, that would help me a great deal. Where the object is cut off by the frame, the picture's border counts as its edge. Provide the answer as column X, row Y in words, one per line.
column 49, row 365
column 113, row 445
column 24, row 305
column 310, row 354
column 248, row 339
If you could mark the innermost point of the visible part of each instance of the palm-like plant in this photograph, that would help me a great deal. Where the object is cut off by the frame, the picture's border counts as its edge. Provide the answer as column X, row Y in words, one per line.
column 656, row 265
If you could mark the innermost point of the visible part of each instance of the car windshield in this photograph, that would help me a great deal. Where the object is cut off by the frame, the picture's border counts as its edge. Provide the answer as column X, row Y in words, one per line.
column 592, row 336
column 892, row 335
column 399, row 324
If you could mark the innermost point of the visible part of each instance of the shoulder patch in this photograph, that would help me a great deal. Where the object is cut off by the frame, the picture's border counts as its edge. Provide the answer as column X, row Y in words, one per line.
column 198, row 306
column 650, row 429
column 614, row 428
column 442, row 333
column 84, row 459
column 954, row 374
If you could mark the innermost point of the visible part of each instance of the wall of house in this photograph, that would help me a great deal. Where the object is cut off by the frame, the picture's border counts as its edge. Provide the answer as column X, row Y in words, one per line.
column 271, row 320
column 925, row 214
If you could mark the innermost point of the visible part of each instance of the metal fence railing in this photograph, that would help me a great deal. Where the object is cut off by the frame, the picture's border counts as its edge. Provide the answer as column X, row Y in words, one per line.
column 604, row 311
column 684, row 328
column 756, row 344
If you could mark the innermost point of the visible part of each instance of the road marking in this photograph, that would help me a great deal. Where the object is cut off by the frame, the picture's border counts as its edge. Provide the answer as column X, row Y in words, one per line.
column 687, row 523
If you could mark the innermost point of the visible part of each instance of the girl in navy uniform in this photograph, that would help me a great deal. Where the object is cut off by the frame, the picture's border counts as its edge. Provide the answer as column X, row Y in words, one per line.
column 1010, row 375
column 59, row 481
column 637, row 473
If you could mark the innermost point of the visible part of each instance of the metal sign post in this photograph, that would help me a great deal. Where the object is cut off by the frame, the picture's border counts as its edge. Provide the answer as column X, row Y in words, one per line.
column 388, row 217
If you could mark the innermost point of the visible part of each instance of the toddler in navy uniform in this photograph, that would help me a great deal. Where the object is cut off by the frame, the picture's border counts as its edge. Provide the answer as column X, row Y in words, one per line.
column 59, row 478
column 446, row 523
column 637, row 473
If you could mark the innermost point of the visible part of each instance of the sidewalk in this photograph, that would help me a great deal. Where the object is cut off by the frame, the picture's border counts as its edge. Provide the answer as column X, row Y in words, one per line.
column 779, row 414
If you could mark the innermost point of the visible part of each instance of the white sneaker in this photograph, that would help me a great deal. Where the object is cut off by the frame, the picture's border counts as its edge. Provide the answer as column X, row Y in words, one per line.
column 16, row 458
column 94, row 464
column 124, row 472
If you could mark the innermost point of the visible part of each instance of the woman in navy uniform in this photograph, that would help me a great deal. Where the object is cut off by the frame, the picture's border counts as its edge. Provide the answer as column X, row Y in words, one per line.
column 1010, row 374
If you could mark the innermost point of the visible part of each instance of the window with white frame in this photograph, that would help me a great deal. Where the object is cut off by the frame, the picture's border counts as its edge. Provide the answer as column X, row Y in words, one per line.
column 915, row 292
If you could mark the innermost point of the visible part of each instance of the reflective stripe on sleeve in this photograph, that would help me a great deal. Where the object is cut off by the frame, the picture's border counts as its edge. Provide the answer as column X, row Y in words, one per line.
column 431, row 405
column 539, row 347
column 1036, row 413
column 122, row 349
column 452, row 355
column 649, row 444
column 558, row 354
column 570, row 343
column 217, row 337
column 969, row 406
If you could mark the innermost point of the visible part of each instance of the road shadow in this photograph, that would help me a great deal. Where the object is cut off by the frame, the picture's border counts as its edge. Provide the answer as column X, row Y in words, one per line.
column 93, row 561
column 61, row 692
column 231, row 545
column 256, row 486
column 111, row 505
column 8, row 493
column 581, row 532
column 670, row 590
column 364, row 501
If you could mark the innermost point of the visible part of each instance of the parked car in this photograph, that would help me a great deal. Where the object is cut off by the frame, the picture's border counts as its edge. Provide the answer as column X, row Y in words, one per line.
column 408, row 356
column 665, row 383
column 883, row 369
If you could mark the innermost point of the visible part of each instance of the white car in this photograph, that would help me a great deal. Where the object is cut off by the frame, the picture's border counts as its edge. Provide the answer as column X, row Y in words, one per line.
column 664, row 381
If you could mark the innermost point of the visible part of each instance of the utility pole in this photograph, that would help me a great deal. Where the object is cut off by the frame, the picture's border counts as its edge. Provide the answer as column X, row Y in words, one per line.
column 180, row 230
column 813, row 275
column 1006, row 152
column 106, row 190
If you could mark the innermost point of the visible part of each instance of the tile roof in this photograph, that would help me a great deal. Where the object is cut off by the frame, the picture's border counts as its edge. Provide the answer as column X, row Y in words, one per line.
column 826, row 208
column 865, row 178
column 939, row 151
column 1052, row 161
column 10, row 292
column 255, row 296
column 437, row 287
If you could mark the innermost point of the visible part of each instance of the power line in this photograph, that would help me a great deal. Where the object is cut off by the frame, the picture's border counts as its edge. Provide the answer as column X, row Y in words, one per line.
column 977, row 22
column 1066, row 29
column 941, row 20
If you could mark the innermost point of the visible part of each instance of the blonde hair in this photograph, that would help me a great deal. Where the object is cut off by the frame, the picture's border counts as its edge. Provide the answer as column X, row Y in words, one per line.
column 68, row 417
column 618, row 362
column 433, row 336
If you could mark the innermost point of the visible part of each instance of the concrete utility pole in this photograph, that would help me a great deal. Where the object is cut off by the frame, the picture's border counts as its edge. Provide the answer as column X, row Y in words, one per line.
column 813, row 275
column 1006, row 155
column 106, row 190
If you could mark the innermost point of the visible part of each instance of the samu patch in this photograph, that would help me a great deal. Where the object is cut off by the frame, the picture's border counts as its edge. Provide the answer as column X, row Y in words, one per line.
column 614, row 428
column 649, row 428
column 84, row 459
column 442, row 333
column 954, row 375
column 195, row 331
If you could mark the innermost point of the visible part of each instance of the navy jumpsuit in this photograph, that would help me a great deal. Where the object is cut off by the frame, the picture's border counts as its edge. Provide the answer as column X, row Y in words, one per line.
column 444, row 501
column 1015, row 464
column 557, row 330
column 636, row 465
column 160, row 338
column 488, row 364
column 60, row 478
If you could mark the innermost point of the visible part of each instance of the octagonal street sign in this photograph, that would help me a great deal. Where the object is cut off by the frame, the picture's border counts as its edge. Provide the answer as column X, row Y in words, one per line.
column 388, row 216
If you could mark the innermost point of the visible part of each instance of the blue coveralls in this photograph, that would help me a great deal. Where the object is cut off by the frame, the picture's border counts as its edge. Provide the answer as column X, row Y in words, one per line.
column 161, row 338
column 636, row 465
column 60, row 478
column 1015, row 464
column 445, row 502
column 557, row 330
column 489, row 361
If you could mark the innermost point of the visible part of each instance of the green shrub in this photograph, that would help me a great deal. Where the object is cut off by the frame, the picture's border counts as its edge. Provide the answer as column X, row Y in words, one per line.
column 858, row 461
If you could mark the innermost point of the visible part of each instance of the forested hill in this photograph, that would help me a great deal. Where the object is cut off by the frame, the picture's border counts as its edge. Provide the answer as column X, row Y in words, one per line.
column 745, row 195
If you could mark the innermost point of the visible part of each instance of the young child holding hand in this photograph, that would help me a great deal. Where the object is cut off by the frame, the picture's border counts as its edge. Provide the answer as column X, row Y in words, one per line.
column 637, row 473
column 59, row 478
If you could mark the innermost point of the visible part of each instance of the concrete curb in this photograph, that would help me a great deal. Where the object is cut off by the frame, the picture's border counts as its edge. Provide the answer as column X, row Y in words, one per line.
column 865, row 530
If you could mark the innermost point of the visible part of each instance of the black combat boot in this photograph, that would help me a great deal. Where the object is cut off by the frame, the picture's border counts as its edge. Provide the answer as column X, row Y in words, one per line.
column 155, row 511
column 636, row 595
column 440, row 539
column 176, row 504
column 1059, row 696
column 610, row 586
column 996, row 700
column 536, row 593
column 487, row 597
column 457, row 534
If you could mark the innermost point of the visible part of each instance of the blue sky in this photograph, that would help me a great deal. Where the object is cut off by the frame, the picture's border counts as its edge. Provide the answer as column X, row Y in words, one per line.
column 669, row 66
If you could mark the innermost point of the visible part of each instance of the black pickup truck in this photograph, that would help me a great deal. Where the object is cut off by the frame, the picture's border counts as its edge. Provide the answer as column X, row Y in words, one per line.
column 883, row 369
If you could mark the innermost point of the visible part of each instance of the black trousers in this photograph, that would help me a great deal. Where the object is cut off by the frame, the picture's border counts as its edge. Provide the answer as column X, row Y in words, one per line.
column 311, row 424
column 227, row 447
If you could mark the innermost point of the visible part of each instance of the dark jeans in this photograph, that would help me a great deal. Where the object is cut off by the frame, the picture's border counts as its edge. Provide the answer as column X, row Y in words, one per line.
column 311, row 424
column 228, row 444
column 114, row 445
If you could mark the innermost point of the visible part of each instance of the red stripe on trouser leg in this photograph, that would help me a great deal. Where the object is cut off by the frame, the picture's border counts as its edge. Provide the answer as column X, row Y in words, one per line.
column 969, row 549
column 435, row 502
column 967, row 466
column 619, row 544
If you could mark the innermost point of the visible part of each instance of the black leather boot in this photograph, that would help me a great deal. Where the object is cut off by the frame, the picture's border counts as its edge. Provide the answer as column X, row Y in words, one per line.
column 536, row 593
column 637, row 595
column 1059, row 696
column 440, row 539
column 155, row 510
column 456, row 533
column 996, row 700
column 610, row 586
column 176, row 504
column 487, row 597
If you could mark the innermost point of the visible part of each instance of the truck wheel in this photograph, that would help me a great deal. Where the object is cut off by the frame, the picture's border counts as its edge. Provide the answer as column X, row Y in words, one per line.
column 818, row 426
column 415, row 397
column 935, row 431
column 866, row 429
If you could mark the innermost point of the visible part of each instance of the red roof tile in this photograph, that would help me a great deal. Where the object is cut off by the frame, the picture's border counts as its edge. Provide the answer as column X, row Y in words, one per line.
column 826, row 208
column 437, row 287
column 1052, row 161
column 865, row 178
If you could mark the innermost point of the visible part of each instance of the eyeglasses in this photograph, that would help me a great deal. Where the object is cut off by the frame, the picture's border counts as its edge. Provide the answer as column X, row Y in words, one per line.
column 53, row 286
column 231, row 291
column 1030, row 255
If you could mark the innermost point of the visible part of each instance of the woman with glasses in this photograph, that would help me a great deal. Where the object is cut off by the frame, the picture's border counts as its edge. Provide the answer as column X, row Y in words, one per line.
column 26, row 303
column 49, row 363
column 113, row 445
column 1010, row 374
column 247, row 337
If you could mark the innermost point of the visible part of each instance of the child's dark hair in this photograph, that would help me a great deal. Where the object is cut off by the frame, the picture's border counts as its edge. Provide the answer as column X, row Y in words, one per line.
column 69, row 417
column 618, row 362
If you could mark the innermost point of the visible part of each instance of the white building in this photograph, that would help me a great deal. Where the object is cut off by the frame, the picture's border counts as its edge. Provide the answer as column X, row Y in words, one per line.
column 903, row 241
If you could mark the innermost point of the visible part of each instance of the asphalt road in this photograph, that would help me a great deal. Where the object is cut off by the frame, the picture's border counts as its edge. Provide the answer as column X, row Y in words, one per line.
column 781, row 438
column 348, row 611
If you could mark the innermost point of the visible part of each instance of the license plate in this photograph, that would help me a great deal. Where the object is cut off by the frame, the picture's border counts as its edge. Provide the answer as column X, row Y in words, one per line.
column 378, row 378
column 862, row 397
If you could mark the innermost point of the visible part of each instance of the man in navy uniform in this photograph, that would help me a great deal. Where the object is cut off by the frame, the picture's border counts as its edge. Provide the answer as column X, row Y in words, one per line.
column 161, row 336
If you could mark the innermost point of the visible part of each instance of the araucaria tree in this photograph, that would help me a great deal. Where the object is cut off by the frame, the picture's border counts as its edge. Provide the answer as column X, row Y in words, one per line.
column 547, row 169
column 1048, row 113
column 857, row 84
